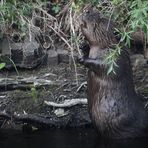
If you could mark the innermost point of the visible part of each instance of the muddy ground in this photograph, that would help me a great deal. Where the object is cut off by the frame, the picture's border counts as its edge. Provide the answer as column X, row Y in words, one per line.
column 28, row 98
column 23, row 95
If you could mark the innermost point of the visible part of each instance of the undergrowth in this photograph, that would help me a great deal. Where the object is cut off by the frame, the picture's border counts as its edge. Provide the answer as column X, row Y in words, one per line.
column 57, row 20
column 131, row 16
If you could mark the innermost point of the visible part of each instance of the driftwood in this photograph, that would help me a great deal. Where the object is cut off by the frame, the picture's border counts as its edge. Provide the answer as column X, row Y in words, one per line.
column 68, row 103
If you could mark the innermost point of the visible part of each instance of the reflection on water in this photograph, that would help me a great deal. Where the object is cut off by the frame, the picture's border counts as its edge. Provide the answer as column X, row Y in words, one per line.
column 64, row 139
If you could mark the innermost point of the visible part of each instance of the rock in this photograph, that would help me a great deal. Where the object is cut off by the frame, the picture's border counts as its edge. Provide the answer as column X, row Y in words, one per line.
column 4, row 47
column 137, row 61
column 60, row 112
column 52, row 58
column 24, row 55
column 146, row 52
column 63, row 56
column 140, row 72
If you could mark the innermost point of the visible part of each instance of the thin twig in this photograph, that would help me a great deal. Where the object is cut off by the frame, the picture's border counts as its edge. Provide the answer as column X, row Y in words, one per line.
column 61, row 37
column 45, row 12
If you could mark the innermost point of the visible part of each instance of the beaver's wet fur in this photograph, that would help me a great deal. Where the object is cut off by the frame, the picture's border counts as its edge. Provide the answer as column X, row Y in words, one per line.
column 115, row 108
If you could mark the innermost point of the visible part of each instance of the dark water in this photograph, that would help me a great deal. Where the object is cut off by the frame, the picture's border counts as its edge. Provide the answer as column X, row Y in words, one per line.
column 64, row 139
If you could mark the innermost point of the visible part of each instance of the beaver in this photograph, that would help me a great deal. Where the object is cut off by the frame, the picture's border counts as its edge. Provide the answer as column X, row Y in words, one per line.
column 116, row 110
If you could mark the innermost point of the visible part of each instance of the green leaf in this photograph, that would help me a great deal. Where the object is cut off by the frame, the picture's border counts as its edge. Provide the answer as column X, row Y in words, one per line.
column 128, row 41
column 56, row 8
column 110, row 69
column 145, row 12
column 2, row 65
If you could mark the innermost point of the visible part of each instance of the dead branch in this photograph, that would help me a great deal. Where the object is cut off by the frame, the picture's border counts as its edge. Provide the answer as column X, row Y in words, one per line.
column 35, row 120
column 68, row 103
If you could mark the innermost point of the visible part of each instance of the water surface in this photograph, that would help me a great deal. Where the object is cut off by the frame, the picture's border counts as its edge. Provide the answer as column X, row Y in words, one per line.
column 64, row 139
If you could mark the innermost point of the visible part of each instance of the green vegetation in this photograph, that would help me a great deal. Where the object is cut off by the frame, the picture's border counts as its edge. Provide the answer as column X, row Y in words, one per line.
column 56, row 8
column 2, row 65
column 17, row 16
column 111, row 58
column 58, row 19
column 13, row 16
column 131, row 16
column 34, row 93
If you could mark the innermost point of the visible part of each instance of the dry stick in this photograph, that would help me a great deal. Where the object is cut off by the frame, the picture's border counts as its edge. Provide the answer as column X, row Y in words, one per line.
column 61, row 37
column 70, row 49
column 64, row 38
column 29, row 28
column 25, row 19
column 110, row 19
column 50, row 16
column 72, row 28
column 145, row 47
column 45, row 12
column 65, row 9
column 67, row 103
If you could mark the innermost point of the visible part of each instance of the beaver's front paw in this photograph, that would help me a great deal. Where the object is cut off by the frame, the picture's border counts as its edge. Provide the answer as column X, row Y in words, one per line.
column 85, row 48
